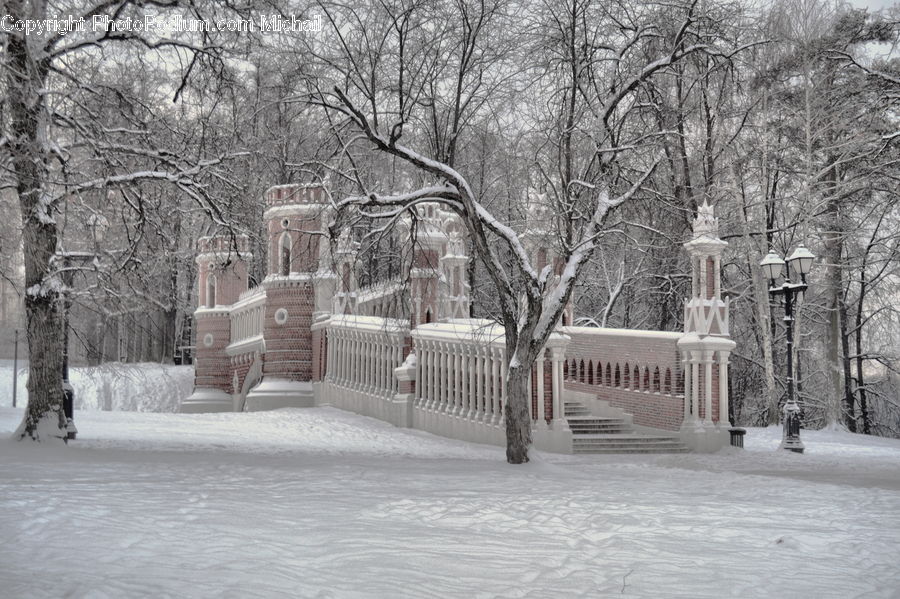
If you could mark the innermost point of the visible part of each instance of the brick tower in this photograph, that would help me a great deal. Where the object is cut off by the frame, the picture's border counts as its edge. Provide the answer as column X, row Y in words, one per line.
column 706, row 344
column 296, row 289
column 222, row 274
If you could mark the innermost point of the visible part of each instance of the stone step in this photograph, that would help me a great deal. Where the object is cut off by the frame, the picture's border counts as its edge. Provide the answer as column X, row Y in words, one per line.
column 594, row 419
column 619, row 438
column 633, row 450
column 574, row 426
column 595, row 435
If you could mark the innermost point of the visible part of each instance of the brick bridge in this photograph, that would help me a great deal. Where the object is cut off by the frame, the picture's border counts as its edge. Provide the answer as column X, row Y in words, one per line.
column 405, row 351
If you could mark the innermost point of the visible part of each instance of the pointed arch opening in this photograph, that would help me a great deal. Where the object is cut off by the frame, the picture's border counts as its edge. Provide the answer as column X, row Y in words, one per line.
column 284, row 255
column 211, row 291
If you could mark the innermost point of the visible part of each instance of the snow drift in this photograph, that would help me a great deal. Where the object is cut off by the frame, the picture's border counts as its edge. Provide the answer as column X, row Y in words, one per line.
column 146, row 387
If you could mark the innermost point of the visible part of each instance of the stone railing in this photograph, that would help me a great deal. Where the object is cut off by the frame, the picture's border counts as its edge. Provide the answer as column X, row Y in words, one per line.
column 380, row 299
column 361, row 354
column 460, row 390
column 247, row 317
column 636, row 371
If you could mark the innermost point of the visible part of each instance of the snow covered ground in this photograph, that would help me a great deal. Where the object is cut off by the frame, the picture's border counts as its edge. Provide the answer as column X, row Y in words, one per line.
column 322, row 503
column 148, row 387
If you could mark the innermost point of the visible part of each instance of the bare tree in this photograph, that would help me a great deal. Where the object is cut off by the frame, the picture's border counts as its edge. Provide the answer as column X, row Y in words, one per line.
column 50, row 127
column 634, row 48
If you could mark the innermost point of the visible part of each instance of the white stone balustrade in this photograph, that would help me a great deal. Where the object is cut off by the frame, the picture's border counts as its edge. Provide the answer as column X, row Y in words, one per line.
column 363, row 352
column 461, row 380
column 247, row 316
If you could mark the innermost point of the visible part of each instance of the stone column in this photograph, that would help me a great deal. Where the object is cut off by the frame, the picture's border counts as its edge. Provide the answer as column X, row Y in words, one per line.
column 427, row 375
column 479, row 383
column 695, row 388
column 491, row 418
column 702, row 262
column 434, row 368
column 503, row 391
column 442, row 381
column 707, row 391
column 717, row 266
column 457, row 378
column 723, row 389
column 472, row 388
column 559, row 417
column 538, row 379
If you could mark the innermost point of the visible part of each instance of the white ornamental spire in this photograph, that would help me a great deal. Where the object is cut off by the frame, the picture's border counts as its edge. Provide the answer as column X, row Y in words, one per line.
column 706, row 224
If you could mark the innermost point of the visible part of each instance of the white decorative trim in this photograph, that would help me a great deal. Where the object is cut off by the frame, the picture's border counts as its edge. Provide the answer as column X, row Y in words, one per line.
column 221, row 256
column 281, row 316
column 293, row 210
column 208, row 340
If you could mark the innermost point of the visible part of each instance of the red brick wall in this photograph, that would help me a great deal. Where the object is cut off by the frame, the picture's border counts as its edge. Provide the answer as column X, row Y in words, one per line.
column 289, row 346
column 650, row 403
column 212, row 367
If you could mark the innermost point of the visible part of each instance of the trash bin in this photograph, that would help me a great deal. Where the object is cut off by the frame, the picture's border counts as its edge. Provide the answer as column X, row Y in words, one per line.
column 737, row 437
column 69, row 410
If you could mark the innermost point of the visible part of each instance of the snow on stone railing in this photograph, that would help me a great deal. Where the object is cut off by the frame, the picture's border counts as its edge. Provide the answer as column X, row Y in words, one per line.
column 461, row 372
column 637, row 371
column 252, row 292
column 379, row 298
column 363, row 352
column 247, row 316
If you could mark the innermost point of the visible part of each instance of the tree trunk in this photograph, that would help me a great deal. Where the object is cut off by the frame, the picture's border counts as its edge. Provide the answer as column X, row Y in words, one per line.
column 833, row 288
column 860, row 376
column 26, row 78
column 849, row 408
column 518, row 414
column 760, row 295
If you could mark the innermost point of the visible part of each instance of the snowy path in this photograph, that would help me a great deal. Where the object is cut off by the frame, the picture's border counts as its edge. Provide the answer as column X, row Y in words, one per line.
column 320, row 503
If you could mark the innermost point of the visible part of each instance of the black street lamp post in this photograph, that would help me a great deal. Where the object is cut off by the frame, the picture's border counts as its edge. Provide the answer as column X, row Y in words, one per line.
column 773, row 266
column 68, row 391
column 97, row 225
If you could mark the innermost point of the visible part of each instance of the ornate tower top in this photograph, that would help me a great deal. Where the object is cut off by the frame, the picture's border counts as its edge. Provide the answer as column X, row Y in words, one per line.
column 706, row 224
column 705, row 312
column 294, row 194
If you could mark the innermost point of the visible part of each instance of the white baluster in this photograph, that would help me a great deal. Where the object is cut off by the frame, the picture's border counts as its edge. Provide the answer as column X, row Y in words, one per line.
column 504, row 390
column 707, row 406
column 540, row 421
column 559, row 421
column 473, row 381
column 723, row 387
column 420, row 372
column 695, row 388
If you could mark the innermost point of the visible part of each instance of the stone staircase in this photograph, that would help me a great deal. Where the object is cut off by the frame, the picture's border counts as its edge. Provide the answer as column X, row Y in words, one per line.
column 594, row 434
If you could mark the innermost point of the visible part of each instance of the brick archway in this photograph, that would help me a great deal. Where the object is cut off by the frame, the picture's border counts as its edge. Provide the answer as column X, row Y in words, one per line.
column 253, row 378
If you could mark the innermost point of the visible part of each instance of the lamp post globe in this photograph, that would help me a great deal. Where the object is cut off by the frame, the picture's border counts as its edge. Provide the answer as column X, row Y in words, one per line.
column 772, row 265
column 801, row 260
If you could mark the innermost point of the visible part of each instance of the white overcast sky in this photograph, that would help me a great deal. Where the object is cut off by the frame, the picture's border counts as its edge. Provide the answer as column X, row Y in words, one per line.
column 873, row 4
